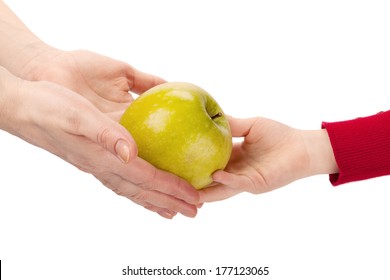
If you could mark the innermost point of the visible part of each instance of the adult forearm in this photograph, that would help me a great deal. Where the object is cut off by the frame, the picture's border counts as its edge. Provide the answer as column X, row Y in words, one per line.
column 18, row 45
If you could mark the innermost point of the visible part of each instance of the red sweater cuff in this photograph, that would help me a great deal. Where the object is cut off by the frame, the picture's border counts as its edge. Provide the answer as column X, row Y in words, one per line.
column 361, row 147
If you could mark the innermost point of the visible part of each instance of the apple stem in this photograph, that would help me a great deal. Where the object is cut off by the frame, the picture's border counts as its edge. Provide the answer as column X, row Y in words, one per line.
column 217, row 116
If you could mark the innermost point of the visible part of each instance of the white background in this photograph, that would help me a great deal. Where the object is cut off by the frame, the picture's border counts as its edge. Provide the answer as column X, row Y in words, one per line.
column 298, row 62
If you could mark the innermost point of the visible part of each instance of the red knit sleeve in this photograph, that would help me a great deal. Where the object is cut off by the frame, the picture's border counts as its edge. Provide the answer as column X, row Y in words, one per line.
column 361, row 147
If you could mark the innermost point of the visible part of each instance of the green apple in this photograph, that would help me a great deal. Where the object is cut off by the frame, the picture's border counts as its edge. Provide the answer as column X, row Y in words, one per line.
column 180, row 128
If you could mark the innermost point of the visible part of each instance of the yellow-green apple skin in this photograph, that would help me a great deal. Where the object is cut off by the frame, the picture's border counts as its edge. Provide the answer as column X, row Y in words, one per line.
column 180, row 128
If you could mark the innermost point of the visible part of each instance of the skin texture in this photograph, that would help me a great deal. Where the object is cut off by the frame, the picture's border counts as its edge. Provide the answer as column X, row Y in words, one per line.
column 68, row 103
column 272, row 155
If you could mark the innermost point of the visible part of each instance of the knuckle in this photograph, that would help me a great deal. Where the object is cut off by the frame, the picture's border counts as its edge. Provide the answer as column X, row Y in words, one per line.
column 138, row 196
column 151, row 183
column 117, row 190
column 134, row 194
column 87, row 164
column 114, row 186
column 103, row 137
column 130, row 74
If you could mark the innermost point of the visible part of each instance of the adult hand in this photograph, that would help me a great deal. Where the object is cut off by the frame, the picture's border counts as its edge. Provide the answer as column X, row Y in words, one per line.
column 104, row 81
column 66, row 124
column 272, row 155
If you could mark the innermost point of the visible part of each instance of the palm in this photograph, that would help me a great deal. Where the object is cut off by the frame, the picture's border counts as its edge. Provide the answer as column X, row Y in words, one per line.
column 267, row 159
column 105, row 82
column 273, row 151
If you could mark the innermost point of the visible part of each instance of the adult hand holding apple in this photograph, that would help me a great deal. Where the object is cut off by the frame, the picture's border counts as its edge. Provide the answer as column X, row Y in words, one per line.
column 75, row 120
column 66, row 124
column 180, row 128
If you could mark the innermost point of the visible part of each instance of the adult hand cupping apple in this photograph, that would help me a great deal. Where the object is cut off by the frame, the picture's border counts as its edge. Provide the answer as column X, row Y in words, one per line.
column 64, row 123
column 272, row 155
column 104, row 81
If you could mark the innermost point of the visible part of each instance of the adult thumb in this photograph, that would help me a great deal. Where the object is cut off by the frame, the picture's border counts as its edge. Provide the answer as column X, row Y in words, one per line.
column 109, row 134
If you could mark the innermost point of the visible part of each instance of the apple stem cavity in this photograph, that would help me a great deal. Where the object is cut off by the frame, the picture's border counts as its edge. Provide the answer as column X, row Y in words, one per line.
column 216, row 116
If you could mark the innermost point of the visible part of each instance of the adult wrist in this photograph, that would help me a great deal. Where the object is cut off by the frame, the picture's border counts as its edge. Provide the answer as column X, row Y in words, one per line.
column 8, row 95
column 28, row 60
column 19, row 47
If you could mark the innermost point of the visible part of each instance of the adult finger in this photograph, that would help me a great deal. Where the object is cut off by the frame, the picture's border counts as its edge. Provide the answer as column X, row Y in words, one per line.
column 165, row 205
column 140, row 82
column 145, row 175
column 96, row 126
column 151, row 199
column 165, row 213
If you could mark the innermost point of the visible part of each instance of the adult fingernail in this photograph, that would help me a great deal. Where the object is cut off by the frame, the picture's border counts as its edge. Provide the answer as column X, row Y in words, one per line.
column 166, row 214
column 122, row 149
column 190, row 213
